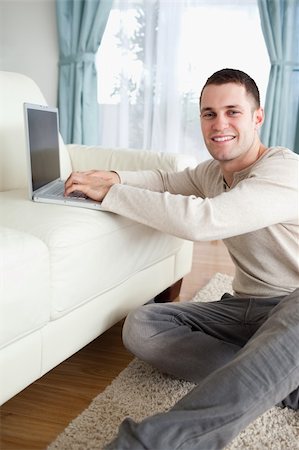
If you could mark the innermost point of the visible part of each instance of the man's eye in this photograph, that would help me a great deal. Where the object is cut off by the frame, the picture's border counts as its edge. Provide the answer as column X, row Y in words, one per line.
column 233, row 112
column 208, row 115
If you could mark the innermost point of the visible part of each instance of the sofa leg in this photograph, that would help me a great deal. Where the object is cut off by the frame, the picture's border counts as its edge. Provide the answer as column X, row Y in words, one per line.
column 170, row 294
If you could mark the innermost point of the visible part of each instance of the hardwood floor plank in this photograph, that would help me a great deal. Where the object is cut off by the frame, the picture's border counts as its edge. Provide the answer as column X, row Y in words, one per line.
column 27, row 435
column 33, row 418
column 208, row 258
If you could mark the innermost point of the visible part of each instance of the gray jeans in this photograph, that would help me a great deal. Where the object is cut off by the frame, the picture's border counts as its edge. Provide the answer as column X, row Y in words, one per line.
column 243, row 353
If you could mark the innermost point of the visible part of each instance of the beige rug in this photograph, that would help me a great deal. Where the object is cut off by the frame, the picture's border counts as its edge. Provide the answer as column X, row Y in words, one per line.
column 140, row 391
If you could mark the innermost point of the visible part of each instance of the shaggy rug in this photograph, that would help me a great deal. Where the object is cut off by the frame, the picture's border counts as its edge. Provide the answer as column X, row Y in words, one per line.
column 140, row 391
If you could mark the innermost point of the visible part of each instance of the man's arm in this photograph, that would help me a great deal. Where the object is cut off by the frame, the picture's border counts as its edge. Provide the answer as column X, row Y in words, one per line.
column 96, row 184
column 190, row 208
column 253, row 204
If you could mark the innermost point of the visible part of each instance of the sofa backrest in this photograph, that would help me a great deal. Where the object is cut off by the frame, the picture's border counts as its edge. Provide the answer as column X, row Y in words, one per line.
column 15, row 89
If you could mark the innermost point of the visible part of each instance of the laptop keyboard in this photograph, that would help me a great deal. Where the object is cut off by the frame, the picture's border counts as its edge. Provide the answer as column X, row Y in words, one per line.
column 58, row 191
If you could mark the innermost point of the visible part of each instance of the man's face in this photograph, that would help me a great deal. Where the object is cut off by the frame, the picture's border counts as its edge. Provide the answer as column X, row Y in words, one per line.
column 229, row 121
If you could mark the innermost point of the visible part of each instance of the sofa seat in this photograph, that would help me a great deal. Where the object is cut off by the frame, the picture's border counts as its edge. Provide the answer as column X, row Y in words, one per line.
column 24, row 267
column 72, row 235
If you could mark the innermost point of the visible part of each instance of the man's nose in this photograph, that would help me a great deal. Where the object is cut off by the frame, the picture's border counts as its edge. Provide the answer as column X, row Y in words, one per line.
column 220, row 122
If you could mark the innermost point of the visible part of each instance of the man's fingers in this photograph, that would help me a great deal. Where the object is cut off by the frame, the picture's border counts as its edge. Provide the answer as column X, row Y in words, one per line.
column 93, row 183
column 70, row 180
column 75, row 187
column 75, row 178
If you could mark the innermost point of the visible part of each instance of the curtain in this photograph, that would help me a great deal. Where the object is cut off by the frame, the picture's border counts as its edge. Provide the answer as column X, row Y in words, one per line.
column 280, row 25
column 81, row 24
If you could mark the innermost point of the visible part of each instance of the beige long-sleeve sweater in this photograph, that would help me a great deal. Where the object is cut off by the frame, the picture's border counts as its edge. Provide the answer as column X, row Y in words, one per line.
column 257, row 217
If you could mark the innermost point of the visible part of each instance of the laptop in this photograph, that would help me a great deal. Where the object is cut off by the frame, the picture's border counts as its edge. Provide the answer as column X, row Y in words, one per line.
column 42, row 136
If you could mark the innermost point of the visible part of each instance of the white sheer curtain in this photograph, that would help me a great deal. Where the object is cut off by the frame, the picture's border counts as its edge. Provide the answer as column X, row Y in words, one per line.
column 164, row 105
column 146, row 111
column 154, row 58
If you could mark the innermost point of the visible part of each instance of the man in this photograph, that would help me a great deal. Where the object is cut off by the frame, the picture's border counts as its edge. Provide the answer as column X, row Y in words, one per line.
column 243, row 351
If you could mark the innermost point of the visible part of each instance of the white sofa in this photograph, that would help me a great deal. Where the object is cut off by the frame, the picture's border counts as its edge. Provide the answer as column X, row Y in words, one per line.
column 68, row 274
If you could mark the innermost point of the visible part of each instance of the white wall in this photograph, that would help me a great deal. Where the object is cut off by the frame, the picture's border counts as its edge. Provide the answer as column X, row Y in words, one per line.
column 29, row 43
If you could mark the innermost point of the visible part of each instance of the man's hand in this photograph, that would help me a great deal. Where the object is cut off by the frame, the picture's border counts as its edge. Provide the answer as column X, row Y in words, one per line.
column 94, row 184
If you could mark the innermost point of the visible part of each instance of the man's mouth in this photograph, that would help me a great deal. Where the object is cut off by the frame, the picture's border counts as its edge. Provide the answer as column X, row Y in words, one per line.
column 223, row 138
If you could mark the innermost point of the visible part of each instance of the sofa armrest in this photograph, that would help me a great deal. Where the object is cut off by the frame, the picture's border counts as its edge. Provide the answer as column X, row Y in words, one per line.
column 95, row 157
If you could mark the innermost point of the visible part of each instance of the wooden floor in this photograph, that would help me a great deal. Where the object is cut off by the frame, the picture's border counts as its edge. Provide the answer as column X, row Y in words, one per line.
column 34, row 417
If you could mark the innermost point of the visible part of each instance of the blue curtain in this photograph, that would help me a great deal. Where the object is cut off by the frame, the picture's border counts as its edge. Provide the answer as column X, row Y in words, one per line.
column 81, row 25
column 280, row 25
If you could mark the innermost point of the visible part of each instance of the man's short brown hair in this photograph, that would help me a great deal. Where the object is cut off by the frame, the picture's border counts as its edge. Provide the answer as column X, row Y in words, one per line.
column 224, row 76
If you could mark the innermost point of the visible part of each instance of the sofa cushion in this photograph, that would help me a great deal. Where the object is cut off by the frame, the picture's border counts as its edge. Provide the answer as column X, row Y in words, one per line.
column 90, row 251
column 24, row 287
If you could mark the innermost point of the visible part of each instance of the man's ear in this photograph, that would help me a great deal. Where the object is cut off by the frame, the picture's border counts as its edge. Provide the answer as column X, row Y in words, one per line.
column 259, row 118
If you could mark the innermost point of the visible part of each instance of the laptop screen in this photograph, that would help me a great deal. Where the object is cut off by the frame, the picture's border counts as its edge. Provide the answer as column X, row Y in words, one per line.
column 44, row 146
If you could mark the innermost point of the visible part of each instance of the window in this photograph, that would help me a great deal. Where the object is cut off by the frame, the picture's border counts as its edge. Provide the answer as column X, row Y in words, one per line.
column 154, row 58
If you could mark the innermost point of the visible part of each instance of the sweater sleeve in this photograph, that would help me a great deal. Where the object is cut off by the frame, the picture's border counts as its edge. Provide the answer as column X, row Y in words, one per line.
column 263, row 199
column 187, row 182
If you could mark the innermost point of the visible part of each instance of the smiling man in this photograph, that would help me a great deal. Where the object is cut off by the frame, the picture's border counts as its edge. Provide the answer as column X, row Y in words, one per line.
column 242, row 351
